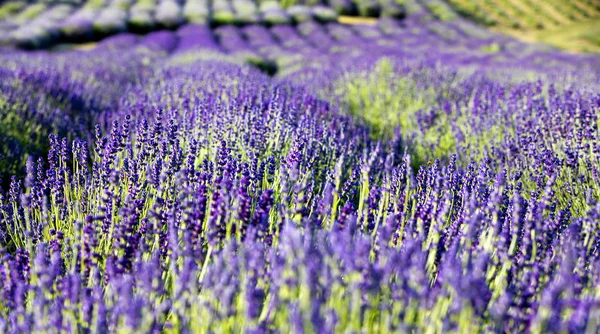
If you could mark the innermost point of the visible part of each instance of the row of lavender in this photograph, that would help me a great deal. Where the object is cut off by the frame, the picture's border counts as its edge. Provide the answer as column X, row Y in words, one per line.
column 323, row 47
column 210, row 197
column 308, row 51
column 39, row 25
column 97, row 19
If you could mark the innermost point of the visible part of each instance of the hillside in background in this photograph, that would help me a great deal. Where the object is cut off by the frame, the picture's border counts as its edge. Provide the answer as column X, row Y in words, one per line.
column 568, row 24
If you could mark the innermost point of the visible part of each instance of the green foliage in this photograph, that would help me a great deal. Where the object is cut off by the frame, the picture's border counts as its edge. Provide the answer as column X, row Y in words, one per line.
column 570, row 25
column 224, row 16
column 390, row 103
column 406, row 106
column 491, row 48
column 97, row 3
column 441, row 11
column 10, row 8
column 31, row 12
column 19, row 138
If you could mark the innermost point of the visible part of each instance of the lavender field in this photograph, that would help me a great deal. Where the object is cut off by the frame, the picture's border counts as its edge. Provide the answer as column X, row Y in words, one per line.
column 410, row 174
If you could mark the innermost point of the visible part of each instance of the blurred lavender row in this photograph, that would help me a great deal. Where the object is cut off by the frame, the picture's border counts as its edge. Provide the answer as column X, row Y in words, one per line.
column 42, row 24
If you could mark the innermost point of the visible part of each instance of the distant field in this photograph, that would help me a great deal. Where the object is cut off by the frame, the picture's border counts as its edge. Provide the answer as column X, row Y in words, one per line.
column 578, row 37
column 572, row 25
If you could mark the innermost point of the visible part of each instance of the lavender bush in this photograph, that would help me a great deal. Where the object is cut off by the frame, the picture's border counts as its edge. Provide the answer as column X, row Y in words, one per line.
column 196, row 11
column 168, row 14
column 399, row 177
column 111, row 20
column 79, row 25
column 300, row 14
column 141, row 16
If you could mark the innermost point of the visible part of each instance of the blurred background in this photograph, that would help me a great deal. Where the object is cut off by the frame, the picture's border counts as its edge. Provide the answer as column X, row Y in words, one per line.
column 571, row 25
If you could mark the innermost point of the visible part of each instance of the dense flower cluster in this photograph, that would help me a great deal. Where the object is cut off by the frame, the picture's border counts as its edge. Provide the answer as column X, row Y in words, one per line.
column 185, row 190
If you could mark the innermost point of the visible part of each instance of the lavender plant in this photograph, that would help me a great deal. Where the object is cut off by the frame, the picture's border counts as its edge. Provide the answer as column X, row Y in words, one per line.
column 183, row 189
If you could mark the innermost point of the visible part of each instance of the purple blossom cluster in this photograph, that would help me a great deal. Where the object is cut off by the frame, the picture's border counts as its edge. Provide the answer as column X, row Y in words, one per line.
column 316, row 178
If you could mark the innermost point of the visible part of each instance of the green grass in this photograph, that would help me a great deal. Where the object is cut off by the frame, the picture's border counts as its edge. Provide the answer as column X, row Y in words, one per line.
column 572, row 26
column 577, row 37
column 390, row 103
